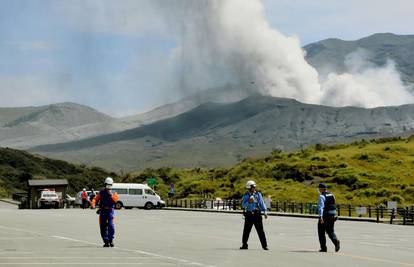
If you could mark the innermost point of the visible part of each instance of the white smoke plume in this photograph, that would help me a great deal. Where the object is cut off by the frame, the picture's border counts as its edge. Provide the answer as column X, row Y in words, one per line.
column 365, row 84
column 223, row 42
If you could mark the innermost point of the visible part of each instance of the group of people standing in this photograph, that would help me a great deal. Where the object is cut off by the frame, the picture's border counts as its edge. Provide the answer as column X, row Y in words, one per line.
column 253, row 205
column 254, row 208
column 87, row 199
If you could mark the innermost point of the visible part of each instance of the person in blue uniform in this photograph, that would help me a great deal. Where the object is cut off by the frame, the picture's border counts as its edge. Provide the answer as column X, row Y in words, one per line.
column 327, row 218
column 106, row 201
column 253, row 206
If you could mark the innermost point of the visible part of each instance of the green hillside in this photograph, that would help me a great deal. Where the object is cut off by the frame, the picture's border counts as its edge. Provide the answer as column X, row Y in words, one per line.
column 366, row 172
column 16, row 167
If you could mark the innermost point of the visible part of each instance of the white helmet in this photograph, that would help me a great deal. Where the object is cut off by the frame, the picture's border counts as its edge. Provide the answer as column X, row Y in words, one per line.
column 109, row 180
column 250, row 183
column 84, row 189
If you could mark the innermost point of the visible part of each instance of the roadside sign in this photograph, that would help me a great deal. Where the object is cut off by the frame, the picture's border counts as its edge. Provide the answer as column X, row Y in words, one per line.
column 361, row 211
column 391, row 205
column 151, row 181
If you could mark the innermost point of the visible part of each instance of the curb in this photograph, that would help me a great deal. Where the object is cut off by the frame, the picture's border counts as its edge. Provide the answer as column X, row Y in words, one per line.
column 281, row 214
column 10, row 201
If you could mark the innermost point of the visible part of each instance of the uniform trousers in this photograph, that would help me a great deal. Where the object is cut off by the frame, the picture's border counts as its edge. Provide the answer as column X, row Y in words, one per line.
column 255, row 219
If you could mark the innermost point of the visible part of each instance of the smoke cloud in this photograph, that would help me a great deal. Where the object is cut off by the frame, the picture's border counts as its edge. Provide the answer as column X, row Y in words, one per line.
column 223, row 42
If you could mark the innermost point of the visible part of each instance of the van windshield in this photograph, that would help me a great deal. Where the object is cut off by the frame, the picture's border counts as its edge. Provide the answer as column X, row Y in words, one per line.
column 149, row 192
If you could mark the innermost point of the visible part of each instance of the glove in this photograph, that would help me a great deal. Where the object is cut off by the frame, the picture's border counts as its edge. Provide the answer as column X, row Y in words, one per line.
column 98, row 211
column 265, row 215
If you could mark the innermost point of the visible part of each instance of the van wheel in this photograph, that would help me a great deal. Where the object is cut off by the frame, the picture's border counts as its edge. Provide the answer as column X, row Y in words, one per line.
column 118, row 205
column 148, row 205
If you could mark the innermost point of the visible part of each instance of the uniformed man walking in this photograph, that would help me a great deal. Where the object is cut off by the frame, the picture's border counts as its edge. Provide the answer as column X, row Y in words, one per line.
column 327, row 218
column 253, row 206
column 106, row 201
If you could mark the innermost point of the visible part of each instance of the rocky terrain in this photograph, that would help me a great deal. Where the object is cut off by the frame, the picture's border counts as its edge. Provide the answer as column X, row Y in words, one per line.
column 221, row 134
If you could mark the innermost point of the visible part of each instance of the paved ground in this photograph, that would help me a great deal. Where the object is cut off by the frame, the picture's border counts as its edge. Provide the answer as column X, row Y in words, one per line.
column 70, row 237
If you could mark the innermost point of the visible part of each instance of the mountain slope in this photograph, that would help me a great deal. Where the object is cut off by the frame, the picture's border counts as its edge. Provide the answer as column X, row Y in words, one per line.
column 32, row 126
column 25, row 127
column 330, row 54
column 222, row 134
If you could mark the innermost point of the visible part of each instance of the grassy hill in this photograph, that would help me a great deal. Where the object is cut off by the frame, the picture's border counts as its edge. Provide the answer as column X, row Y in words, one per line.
column 16, row 167
column 366, row 172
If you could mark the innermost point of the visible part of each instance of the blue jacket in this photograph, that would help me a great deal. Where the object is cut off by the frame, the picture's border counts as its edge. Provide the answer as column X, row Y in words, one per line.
column 326, row 205
column 105, row 200
column 257, row 204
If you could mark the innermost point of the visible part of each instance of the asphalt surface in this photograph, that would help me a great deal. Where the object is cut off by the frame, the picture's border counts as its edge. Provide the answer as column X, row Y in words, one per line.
column 70, row 237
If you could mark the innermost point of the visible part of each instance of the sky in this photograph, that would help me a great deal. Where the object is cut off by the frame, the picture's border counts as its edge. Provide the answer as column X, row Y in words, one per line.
column 113, row 55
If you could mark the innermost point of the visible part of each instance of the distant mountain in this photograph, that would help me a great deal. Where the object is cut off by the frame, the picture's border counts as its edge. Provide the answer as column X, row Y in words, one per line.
column 28, row 126
column 226, row 94
column 221, row 134
column 32, row 126
column 330, row 54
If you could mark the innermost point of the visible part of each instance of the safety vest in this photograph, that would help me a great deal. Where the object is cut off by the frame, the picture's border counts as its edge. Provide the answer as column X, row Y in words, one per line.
column 105, row 200
column 330, row 207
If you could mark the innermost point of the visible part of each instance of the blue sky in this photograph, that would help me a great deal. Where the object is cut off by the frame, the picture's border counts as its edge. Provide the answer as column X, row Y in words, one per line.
column 111, row 55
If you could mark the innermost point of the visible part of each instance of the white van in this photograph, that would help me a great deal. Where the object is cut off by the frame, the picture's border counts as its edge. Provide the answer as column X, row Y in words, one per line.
column 136, row 195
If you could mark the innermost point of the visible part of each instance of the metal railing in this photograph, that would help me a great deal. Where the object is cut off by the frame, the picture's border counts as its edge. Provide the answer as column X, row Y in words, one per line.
column 378, row 213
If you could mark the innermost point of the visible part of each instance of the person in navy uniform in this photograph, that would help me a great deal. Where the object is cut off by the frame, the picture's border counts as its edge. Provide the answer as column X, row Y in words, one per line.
column 253, row 206
column 327, row 218
column 106, row 200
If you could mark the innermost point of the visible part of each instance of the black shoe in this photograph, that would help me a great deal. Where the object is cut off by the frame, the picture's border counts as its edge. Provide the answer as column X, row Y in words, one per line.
column 106, row 245
column 111, row 244
column 265, row 248
column 337, row 246
column 244, row 247
column 323, row 250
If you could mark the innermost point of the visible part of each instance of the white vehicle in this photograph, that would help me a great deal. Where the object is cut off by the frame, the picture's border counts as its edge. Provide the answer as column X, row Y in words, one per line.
column 48, row 198
column 136, row 195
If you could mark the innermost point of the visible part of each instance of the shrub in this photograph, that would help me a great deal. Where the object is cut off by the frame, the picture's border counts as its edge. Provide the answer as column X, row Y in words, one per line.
column 348, row 180
column 321, row 147
column 364, row 157
column 368, row 192
column 397, row 198
column 383, row 193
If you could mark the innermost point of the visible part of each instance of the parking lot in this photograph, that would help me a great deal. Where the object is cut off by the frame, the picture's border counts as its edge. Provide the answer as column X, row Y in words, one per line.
column 70, row 237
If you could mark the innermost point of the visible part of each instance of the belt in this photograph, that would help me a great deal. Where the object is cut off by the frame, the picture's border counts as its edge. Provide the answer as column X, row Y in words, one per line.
column 252, row 212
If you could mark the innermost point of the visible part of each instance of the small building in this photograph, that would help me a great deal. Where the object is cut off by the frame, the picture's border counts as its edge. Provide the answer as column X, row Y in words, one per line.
column 36, row 186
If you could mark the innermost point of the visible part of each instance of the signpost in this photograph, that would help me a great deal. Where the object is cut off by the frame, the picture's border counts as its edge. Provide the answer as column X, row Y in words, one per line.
column 361, row 211
column 152, row 182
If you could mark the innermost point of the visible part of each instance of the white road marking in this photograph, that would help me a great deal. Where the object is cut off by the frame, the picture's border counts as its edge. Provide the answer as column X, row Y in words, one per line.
column 183, row 261
column 137, row 251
